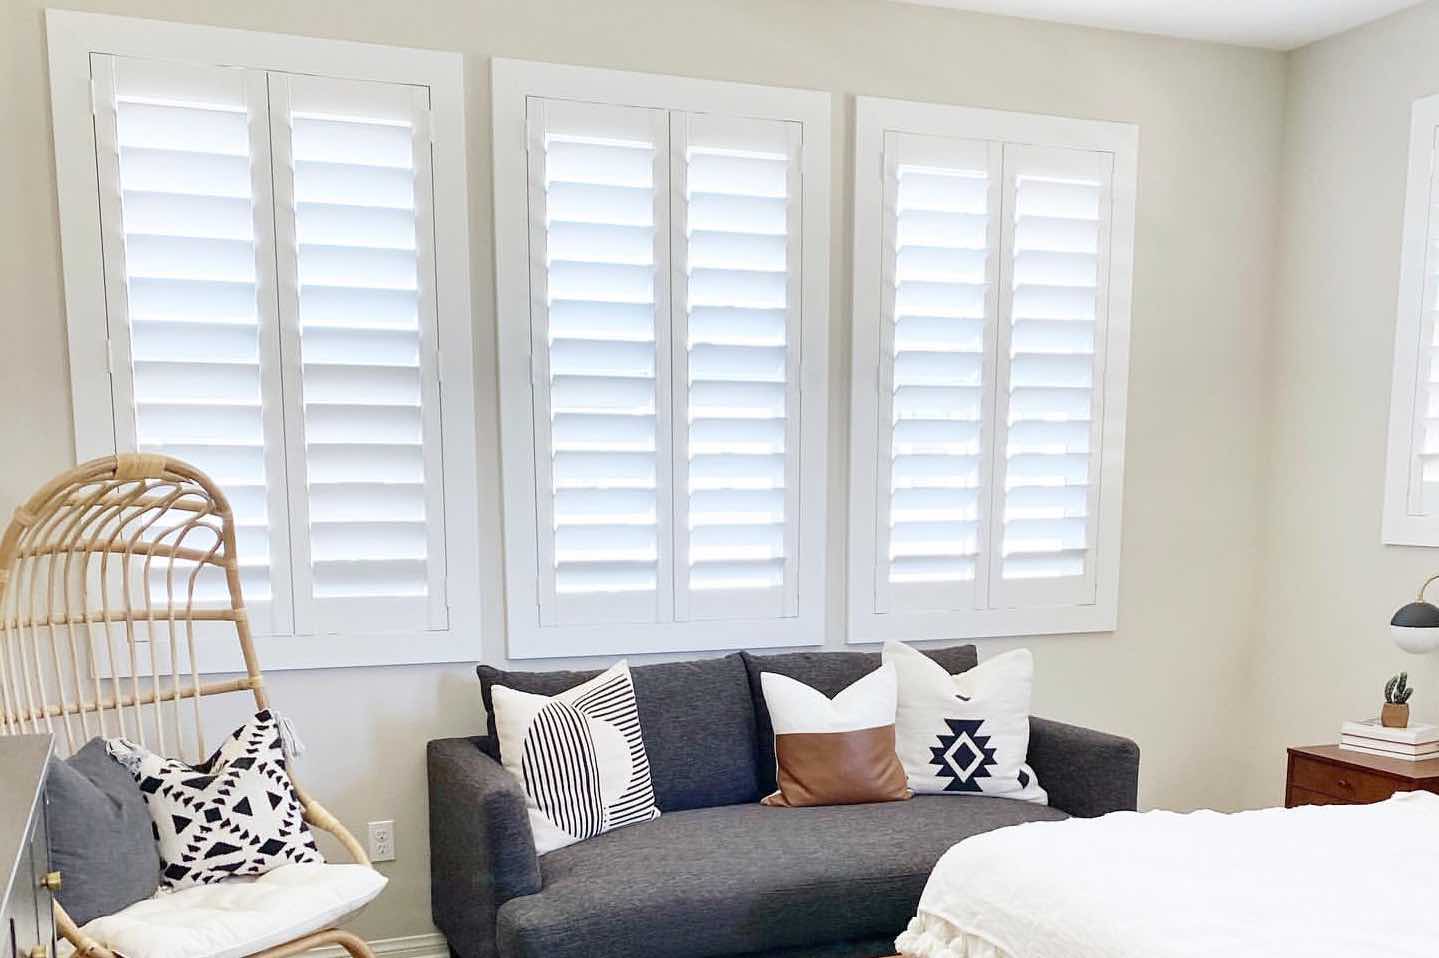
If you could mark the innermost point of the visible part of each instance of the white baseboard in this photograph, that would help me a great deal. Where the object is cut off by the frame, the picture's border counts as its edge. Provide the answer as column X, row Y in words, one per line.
column 412, row 946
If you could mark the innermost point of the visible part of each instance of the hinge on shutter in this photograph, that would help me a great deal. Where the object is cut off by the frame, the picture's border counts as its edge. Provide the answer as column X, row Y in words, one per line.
column 94, row 109
column 109, row 356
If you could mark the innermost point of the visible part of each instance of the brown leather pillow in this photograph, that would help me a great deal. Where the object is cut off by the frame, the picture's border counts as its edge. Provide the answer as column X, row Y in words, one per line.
column 837, row 751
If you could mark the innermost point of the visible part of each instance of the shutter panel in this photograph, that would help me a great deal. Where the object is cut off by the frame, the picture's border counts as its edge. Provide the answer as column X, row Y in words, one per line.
column 353, row 201
column 736, row 322
column 599, row 201
column 1423, row 485
column 183, row 167
column 941, row 231
column 1055, row 303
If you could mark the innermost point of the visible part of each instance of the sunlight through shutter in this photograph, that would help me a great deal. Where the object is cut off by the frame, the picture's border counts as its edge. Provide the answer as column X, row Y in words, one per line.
column 736, row 330
column 600, row 320
column 183, row 163
column 358, row 321
column 940, row 265
column 1056, row 244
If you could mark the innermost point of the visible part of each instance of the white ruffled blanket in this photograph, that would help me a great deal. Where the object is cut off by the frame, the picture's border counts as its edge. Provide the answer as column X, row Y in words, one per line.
column 1337, row 881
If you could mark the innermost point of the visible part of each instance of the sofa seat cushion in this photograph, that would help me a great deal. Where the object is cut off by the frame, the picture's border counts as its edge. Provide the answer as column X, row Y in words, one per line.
column 239, row 916
column 746, row 878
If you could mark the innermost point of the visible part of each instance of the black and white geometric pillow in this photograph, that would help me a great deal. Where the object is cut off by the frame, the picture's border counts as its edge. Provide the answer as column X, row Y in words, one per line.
column 580, row 756
column 235, row 814
column 965, row 734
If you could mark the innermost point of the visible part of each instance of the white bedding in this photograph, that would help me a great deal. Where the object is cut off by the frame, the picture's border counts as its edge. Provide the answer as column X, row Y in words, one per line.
column 1338, row 881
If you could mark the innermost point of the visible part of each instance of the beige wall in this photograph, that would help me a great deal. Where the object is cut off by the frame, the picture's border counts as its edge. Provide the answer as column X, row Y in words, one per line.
column 1210, row 119
column 1321, row 651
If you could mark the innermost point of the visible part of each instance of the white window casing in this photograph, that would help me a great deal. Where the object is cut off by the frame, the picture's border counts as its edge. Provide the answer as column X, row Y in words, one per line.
column 1411, row 477
column 259, row 281
column 993, row 260
column 662, row 273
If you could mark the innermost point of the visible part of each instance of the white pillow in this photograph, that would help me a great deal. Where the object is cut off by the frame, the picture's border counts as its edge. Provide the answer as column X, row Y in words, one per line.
column 580, row 757
column 837, row 751
column 966, row 733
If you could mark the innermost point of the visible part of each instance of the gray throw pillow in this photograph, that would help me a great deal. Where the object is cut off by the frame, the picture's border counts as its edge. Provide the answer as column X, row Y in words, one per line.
column 101, row 839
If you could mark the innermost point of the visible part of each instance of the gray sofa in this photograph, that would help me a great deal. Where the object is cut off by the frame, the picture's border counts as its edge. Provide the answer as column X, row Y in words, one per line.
column 718, row 874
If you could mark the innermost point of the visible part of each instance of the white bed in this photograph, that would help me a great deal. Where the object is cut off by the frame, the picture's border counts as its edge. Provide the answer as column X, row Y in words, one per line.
column 1317, row 882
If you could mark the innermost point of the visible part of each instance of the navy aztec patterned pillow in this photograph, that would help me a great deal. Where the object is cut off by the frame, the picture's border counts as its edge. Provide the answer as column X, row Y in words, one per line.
column 580, row 756
column 234, row 814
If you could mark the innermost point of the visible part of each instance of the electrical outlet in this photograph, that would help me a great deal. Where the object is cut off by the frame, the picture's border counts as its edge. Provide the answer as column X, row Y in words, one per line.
column 382, row 841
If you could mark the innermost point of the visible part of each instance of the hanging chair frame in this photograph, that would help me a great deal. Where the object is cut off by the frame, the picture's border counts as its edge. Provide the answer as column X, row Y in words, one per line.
column 99, row 575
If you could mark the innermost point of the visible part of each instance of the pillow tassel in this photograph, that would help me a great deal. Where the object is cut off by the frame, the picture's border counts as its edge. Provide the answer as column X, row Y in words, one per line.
column 289, row 738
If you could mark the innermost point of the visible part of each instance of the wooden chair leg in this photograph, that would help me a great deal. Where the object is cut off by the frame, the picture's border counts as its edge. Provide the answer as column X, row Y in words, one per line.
column 354, row 945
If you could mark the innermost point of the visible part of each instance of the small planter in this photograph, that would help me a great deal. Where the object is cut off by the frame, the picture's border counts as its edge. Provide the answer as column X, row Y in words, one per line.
column 1394, row 716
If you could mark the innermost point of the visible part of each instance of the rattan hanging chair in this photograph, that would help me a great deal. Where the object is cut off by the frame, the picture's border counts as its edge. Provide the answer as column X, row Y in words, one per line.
column 110, row 575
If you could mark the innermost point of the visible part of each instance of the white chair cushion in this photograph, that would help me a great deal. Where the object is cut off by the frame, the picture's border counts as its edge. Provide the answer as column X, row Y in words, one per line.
column 239, row 916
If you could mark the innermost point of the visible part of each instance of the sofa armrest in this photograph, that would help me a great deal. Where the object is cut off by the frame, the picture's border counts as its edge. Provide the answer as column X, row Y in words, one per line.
column 482, row 852
column 1086, row 773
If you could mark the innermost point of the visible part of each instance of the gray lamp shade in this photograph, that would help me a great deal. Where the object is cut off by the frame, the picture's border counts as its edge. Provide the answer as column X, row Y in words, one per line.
column 1415, row 628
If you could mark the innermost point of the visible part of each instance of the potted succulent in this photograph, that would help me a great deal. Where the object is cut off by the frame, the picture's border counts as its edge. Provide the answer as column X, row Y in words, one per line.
column 1396, row 702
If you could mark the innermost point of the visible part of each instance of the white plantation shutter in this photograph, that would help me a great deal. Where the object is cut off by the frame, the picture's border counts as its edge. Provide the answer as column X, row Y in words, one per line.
column 1056, row 243
column 986, row 270
column 257, row 279
column 1411, row 480
column 183, row 168
column 1415, row 463
column 664, row 269
column 271, row 300
column 1424, row 464
column 660, row 250
column 358, row 320
column 598, row 204
column 736, row 322
column 940, row 268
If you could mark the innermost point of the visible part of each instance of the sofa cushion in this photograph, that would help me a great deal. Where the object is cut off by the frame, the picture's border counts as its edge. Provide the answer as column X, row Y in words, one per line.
column 745, row 878
column 697, row 718
column 827, row 672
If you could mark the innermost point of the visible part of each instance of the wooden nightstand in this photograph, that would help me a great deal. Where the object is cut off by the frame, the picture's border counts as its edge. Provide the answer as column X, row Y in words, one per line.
column 1330, row 775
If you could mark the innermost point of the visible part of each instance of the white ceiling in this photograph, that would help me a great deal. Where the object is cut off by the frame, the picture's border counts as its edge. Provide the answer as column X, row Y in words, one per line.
column 1277, row 24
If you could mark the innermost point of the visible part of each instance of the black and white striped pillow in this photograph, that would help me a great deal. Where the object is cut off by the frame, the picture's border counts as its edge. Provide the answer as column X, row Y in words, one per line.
column 580, row 756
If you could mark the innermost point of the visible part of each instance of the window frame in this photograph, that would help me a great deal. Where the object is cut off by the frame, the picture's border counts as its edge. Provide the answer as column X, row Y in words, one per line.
column 874, row 118
column 513, row 81
column 72, row 37
column 1401, row 526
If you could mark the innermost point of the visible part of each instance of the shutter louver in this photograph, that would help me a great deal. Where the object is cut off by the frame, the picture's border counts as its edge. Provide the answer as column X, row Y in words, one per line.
column 598, row 204
column 1056, row 245
column 940, row 235
column 184, row 196
column 736, row 329
column 358, row 321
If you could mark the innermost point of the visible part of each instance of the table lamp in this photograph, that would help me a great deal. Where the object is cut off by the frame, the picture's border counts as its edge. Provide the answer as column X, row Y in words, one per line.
column 1415, row 627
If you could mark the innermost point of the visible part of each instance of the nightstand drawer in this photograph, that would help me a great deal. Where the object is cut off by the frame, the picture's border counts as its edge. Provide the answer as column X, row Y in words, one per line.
column 1346, row 784
column 1302, row 796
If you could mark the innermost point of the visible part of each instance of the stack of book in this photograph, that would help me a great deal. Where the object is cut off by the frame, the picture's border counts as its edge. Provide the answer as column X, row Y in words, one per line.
column 1415, row 743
